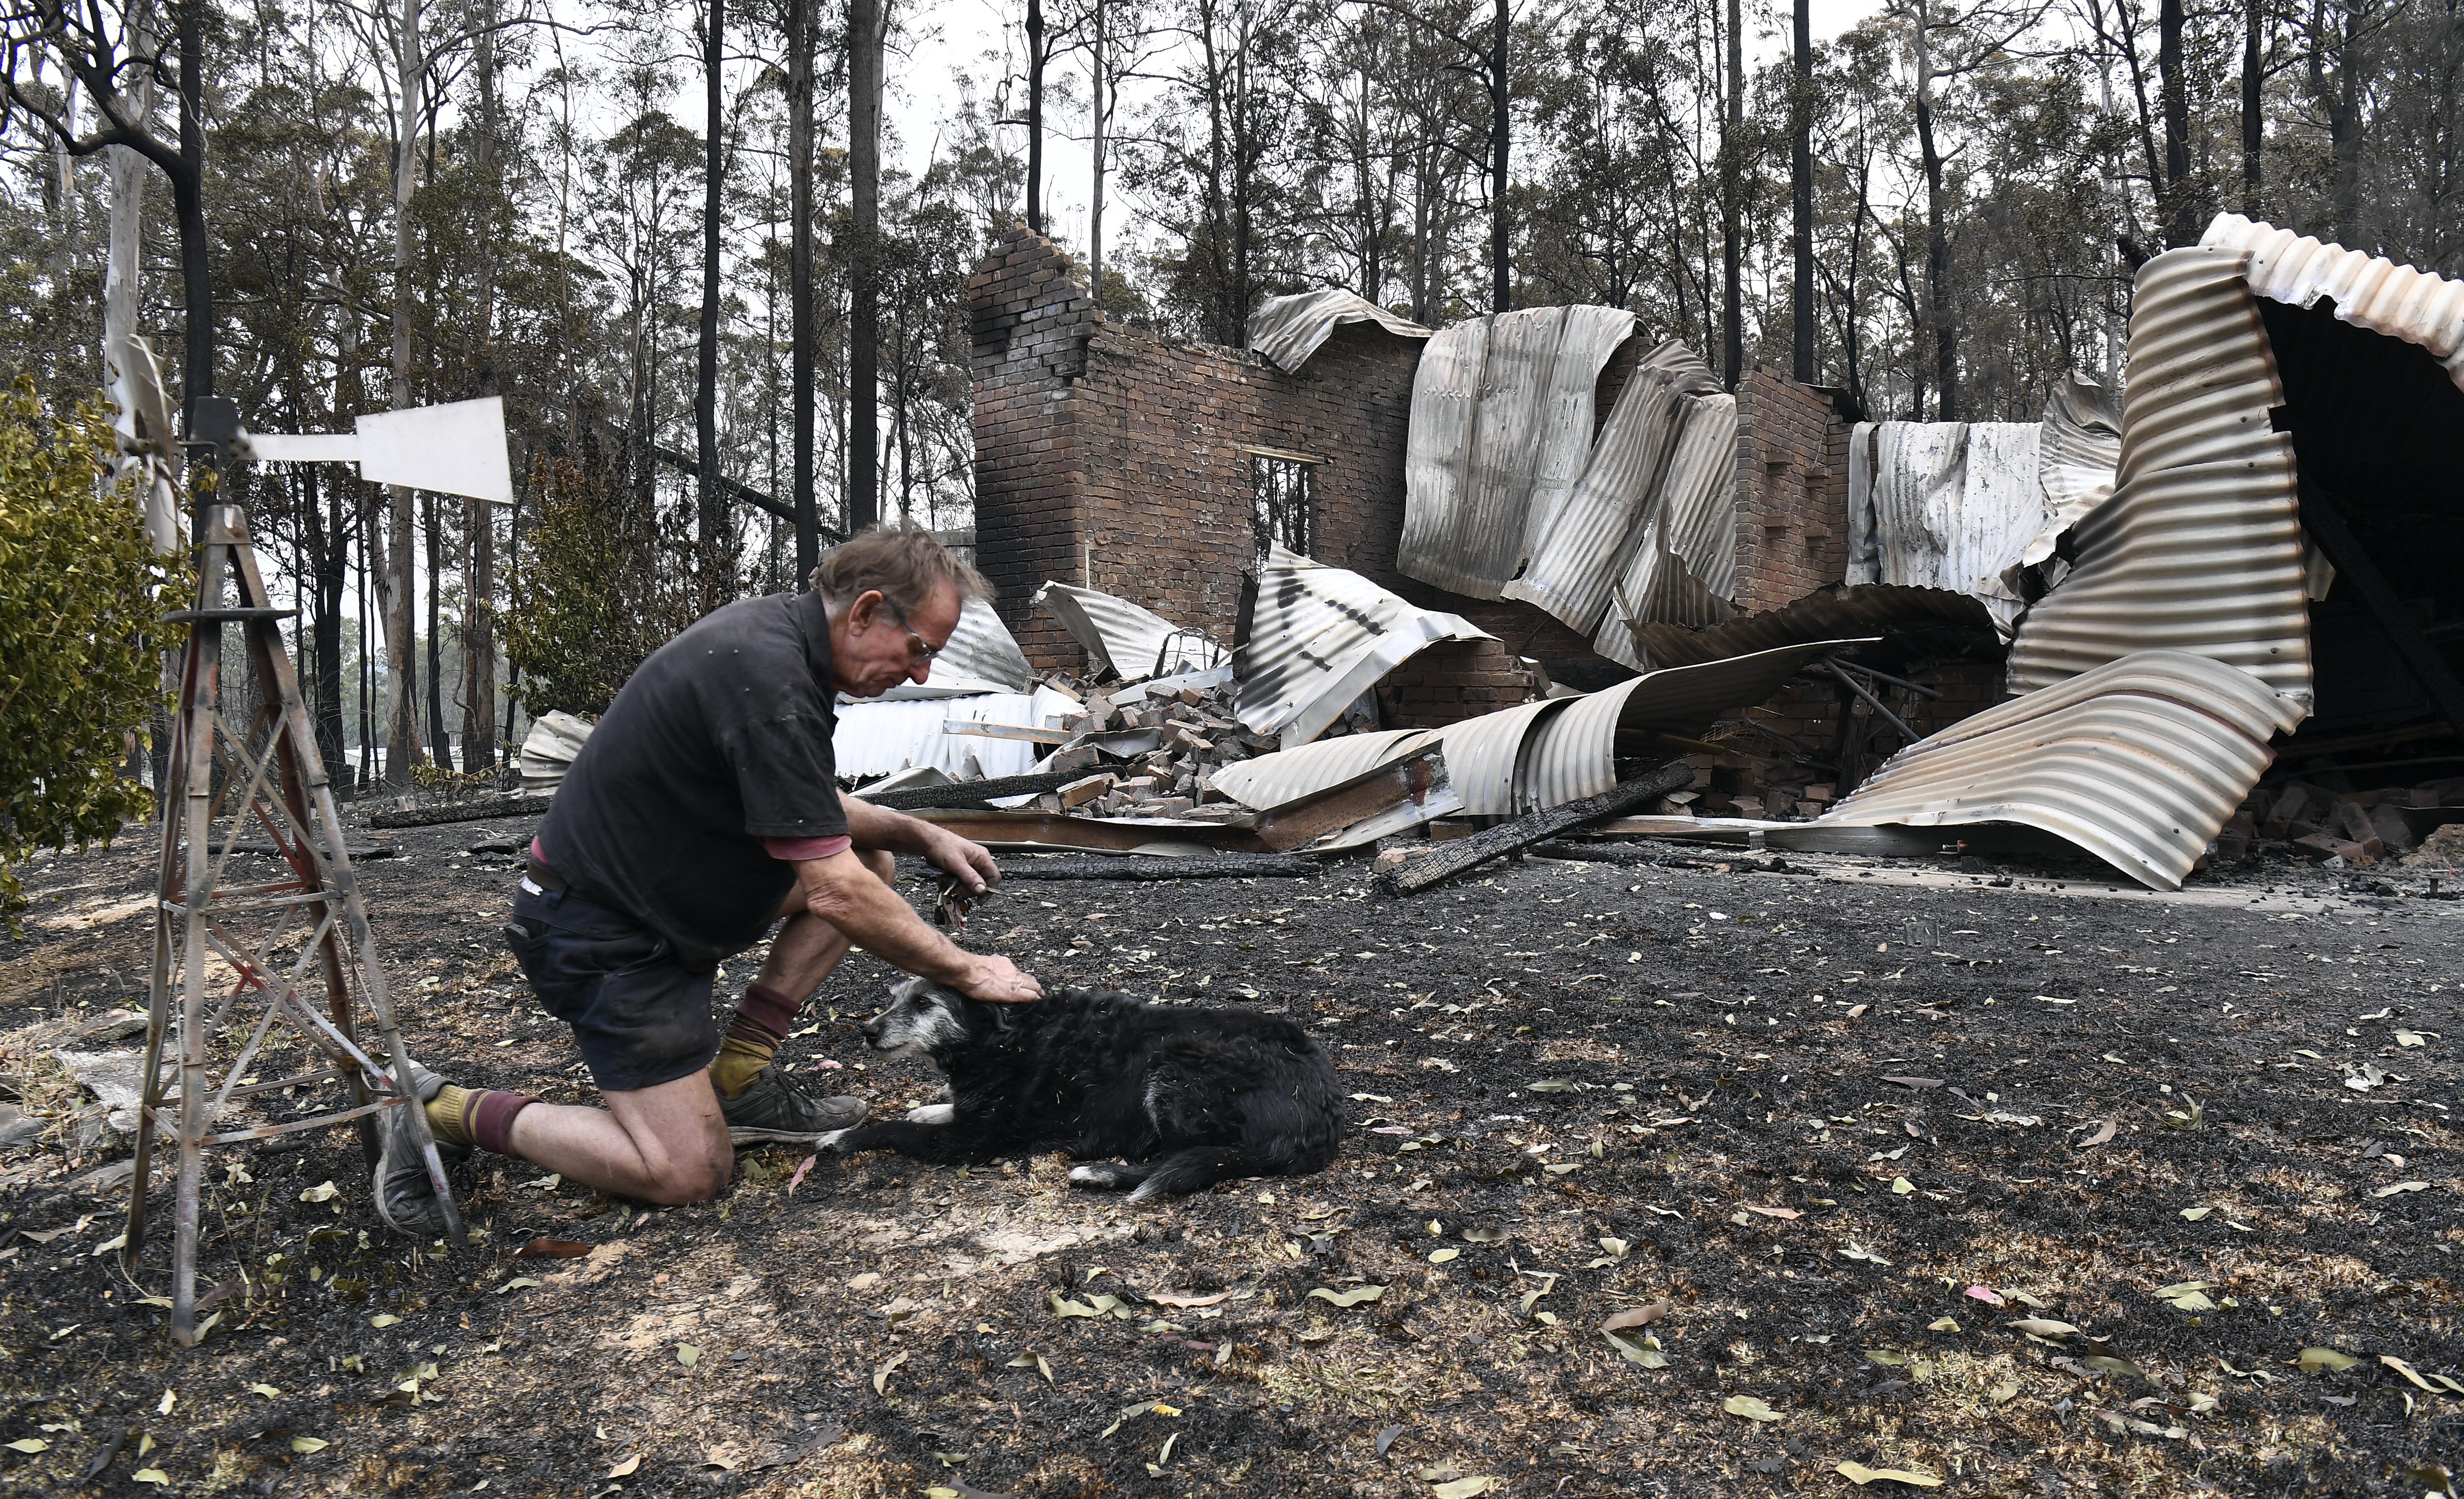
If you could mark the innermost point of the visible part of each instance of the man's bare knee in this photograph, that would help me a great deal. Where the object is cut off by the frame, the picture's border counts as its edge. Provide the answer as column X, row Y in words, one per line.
column 881, row 861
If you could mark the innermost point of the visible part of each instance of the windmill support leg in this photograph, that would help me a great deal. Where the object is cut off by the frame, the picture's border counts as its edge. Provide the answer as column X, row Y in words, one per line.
column 211, row 971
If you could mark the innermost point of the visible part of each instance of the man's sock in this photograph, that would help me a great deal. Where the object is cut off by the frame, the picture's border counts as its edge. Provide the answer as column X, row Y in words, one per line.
column 762, row 1022
column 480, row 1116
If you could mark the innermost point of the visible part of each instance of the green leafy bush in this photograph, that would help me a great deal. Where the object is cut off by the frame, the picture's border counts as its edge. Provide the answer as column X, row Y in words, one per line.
column 602, row 579
column 78, row 678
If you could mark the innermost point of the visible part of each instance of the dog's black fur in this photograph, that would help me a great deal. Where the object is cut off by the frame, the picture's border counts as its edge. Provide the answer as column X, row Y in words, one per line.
column 1189, row 1097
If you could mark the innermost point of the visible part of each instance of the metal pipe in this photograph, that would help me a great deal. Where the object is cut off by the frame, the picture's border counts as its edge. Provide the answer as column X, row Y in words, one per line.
column 1859, row 689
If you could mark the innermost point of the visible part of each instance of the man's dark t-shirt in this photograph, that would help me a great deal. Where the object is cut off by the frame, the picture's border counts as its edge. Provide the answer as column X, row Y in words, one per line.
column 721, row 739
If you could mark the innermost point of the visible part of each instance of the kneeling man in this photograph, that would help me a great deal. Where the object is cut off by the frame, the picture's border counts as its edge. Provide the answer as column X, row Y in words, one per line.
column 702, row 808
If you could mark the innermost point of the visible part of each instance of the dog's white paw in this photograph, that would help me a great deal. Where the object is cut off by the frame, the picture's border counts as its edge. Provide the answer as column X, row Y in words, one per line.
column 831, row 1141
column 1102, row 1175
column 932, row 1113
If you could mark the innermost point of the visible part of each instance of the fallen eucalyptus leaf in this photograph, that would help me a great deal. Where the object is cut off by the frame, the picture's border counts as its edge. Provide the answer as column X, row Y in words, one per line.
column 1487, row 1235
column 1858, row 1251
column 1943, row 1325
column 2314, row 1359
column 1349, row 1298
column 627, row 1468
column 307, row 1444
column 881, row 1376
column 2044, row 1327
column 1467, row 1488
column 323, row 1192
column 27, row 1445
column 2408, row 1371
column 1442, row 1256
column 688, row 1354
column 2194, row 1214
column 1637, row 1316
column 2393, row 1187
column 1748, row 1408
column 518, row 1283
column 1860, row 1475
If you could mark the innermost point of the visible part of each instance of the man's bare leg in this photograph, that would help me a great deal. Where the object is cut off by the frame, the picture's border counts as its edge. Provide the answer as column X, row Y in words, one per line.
column 801, row 957
column 663, row 1144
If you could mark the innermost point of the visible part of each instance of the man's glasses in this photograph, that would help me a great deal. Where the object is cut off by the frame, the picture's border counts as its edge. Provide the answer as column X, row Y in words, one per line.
column 918, row 647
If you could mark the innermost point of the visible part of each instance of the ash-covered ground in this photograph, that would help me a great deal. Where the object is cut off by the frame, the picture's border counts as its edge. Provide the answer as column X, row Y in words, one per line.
column 1822, row 1136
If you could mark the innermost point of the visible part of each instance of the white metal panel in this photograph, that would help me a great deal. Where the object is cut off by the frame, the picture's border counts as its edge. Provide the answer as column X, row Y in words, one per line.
column 2139, row 761
column 1122, row 637
column 2369, row 291
column 1952, row 505
column 1271, row 780
column 1321, row 636
column 456, row 448
column 304, row 448
column 2200, row 547
column 1502, row 420
column 1580, row 551
column 875, row 738
column 1684, row 567
column 1287, row 330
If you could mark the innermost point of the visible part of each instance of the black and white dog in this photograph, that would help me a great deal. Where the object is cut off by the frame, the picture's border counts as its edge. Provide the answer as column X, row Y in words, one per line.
column 1187, row 1098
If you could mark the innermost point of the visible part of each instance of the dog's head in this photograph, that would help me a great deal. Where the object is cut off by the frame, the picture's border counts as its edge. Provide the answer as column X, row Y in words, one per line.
column 925, row 1019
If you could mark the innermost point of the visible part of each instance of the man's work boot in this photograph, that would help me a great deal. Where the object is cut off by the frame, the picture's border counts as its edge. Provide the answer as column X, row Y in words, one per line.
column 776, row 1107
column 406, row 1198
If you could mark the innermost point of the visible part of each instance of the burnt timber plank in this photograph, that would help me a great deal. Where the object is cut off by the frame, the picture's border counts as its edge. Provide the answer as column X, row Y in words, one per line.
column 1453, row 858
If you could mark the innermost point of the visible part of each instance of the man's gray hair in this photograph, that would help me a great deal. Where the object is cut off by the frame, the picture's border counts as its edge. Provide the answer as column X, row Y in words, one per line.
column 905, row 564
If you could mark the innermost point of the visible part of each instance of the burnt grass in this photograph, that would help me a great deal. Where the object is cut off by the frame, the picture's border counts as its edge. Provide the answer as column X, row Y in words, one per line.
column 1600, row 1087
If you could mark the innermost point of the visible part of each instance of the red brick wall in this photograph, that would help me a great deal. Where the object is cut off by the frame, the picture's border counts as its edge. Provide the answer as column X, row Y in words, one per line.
column 1107, row 457
column 1791, row 491
column 1453, row 681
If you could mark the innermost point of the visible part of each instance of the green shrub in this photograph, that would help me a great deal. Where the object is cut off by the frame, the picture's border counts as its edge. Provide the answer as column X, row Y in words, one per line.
column 79, row 675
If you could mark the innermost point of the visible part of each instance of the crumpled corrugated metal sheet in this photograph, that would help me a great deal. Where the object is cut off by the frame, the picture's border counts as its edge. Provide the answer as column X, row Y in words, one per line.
column 1620, row 507
column 1574, row 754
column 2369, row 291
column 1319, row 637
column 1535, row 754
column 1834, row 613
column 2200, row 547
column 983, row 649
column 1289, row 329
column 1122, row 637
column 2139, row 761
column 1501, row 429
column 876, row 738
column 1683, row 565
column 548, row 749
column 1948, row 504
column 2075, row 459
column 1271, row 780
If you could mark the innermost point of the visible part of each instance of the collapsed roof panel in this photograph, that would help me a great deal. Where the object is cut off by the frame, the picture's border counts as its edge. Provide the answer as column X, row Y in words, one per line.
column 1580, row 551
column 1536, row 754
column 1574, row 753
column 983, row 649
column 2139, row 761
column 1501, row 430
column 1947, row 505
column 876, row 738
column 1119, row 637
column 2368, row 291
column 2200, row 547
column 1287, row 330
column 1681, row 566
column 1318, row 637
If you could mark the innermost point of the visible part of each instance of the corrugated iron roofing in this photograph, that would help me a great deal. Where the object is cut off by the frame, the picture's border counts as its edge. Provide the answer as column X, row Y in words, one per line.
column 1574, row 753
column 1287, row 330
column 1321, row 636
column 1684, row 567
column 1271, row 780
column 2200, row 547
column 1119, row 635
column 1950, row 504
column 2075, row 459
column 2139, row 761
column 1536, row 754
column 982, row 648
column 2369, row 291
column 1834, row 613
column 1580, row 551
column 878, row 738
column 1501, row 429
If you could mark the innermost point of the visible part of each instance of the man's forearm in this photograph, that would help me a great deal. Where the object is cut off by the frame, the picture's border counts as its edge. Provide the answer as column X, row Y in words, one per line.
column 842, row 892
column 880, row 827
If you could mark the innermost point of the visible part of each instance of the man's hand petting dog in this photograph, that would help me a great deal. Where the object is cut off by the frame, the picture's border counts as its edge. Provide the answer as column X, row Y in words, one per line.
column 997, row 981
